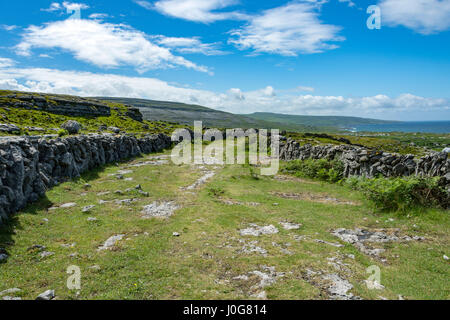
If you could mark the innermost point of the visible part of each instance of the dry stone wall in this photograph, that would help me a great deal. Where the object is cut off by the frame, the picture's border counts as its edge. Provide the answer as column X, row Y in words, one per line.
column 31, row 165
column 359, row 161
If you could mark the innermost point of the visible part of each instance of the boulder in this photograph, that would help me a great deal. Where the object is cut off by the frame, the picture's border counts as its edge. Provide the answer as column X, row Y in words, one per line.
column 73, row 127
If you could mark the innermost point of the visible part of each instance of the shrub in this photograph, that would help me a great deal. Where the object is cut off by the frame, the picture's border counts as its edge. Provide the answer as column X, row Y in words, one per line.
column 402, row 193
column 323, row 169
column 63, row 132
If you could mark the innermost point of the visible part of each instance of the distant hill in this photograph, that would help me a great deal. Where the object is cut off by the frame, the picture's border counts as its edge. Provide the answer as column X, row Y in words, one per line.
column 319, row 121
column 187, row 113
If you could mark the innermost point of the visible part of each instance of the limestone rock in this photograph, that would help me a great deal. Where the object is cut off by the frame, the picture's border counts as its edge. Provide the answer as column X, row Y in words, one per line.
column 73, row 127
column 47, row 295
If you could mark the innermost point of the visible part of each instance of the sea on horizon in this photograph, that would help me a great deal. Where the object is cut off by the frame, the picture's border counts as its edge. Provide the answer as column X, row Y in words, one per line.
column 416, row 126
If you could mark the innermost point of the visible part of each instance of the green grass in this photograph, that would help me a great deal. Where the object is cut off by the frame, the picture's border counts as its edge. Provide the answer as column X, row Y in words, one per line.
column 51, row 123
column 201, row 263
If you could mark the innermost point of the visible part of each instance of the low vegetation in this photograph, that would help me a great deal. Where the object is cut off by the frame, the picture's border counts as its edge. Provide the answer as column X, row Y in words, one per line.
column 395, row 194
column 325, row 170
column 402, row 194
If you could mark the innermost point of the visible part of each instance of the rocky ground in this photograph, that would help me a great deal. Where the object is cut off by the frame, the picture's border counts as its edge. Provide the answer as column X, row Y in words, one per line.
column 148, row 229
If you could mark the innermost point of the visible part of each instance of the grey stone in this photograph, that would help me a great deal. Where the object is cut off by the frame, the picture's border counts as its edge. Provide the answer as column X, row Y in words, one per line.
column 11, row 298
column 47, row 295
column 111, row 242
column 87, row 209
column 46, row 254
column 9, row 291
column 73, row 127
column 290, row 226
column 68, row 205
column 339, row 288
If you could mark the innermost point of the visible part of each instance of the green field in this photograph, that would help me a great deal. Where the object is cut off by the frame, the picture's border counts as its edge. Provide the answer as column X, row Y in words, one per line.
column 210, row 258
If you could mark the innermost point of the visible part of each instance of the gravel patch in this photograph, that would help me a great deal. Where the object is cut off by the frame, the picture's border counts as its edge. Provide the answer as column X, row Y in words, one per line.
column 160, row 209
column 256, row 230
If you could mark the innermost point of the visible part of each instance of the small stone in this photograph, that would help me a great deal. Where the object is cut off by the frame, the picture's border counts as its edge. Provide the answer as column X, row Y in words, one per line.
column 68, row 205
column 145, row 194
column 11, row 298
column 87, row 209
column 9, row 291
column 261, row 295
column 119, row 192
column 241, row 278
column 111, row 242
column 91, row 219
column 46, row 254
column 138, row 187
column 176, row 234
column 445, row 257
column 47, row 295
column 87, row 186
column 290, row 226
column 37, row 247
column 95, row 268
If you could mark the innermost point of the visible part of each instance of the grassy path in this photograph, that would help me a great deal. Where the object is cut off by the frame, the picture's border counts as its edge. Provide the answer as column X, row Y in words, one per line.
column 202, row 252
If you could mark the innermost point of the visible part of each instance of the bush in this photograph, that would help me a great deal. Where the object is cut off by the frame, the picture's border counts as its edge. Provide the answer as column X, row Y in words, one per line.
column 401, row 194
column 331, row 171
column 63, row 132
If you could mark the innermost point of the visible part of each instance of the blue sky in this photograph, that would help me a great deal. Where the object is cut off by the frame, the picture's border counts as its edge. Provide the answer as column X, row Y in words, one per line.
column 314, row 57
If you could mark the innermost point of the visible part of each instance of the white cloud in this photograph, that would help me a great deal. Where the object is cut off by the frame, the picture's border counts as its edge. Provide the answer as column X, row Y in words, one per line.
column 195, row 10
column 349, row 2
column 189, row 45
column 69, row 6
column 234, row 100
column 8, row 27
column 422, row 16
column 102, row 44
column 305, row 88
column 6, row 62
column 99, row 16
column 287, row 30
column 55, row 6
